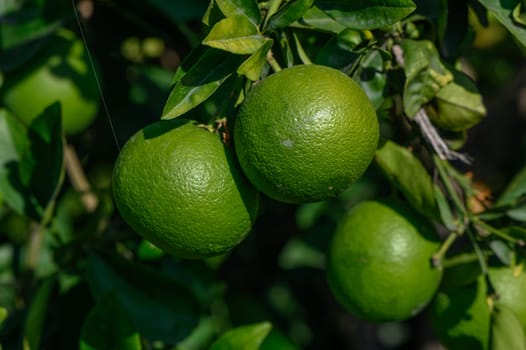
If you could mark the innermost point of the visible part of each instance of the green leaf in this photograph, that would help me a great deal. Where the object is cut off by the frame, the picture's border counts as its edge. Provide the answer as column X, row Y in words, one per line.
column 235, row 34
column 297, row 253
column 34, row 323
column 23, row 26
column 407, row 174
column 502, row 10
column 370, row 14
column 247, row 337
column 514, row 191
column 44, row 166
column 459, row 104
column 212, row 14
column 13, row 145
column 289, row 13
column 317, row 19
column 199, row 81
column 506, row 330
column 502, row 251
column 31, row 162
column 160, row 307
column 253, row 66
column 517, row 213
column 373, row 77
column 201, row 336
column 519, row 14
column 108, row 327
column 515, row 231
column 247, row 8
column 425, row 74
column 446, row 215
column 3, row 314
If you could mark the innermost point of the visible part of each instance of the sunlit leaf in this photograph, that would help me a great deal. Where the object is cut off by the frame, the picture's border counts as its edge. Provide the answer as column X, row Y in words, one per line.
column 459, row 104
column 235, row 34
column 253, row 66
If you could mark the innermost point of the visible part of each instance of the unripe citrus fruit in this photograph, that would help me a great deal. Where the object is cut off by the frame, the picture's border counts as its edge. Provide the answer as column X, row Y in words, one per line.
column 379, row 262
column 60, row 71
column 461, row 316
column 178, row 186
column 305, row 134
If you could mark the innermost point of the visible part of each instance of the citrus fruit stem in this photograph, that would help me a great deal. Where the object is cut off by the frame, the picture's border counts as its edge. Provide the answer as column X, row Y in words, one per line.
column 78, row 179
column 460, row 259
column 447, row 181
column 272, row 61
column 478, row 251
column 35, row 243
column 439, row 255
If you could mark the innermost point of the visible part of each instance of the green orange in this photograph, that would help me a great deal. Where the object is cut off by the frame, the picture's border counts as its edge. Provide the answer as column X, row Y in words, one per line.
column 179, row 187
column 305, row 134
column 60, row 71
column 379, row 262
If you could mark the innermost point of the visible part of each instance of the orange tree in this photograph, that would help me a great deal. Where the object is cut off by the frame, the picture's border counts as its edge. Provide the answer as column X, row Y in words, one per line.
column 244, row 174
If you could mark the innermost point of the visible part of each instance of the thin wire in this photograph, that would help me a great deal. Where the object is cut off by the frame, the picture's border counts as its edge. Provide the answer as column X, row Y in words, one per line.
column 99, row 87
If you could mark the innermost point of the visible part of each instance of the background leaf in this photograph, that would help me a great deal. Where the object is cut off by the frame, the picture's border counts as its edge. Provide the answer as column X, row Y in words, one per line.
column 36, row 315
column 408, row 175
column 13, row 145
column 44, row 165
column 108, row 327
column 245, row 337
column 31, row 161
column 159, row 307
column 515, row 190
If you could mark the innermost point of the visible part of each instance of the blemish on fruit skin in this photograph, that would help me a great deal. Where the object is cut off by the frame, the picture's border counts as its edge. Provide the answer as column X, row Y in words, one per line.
column 287, row 143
